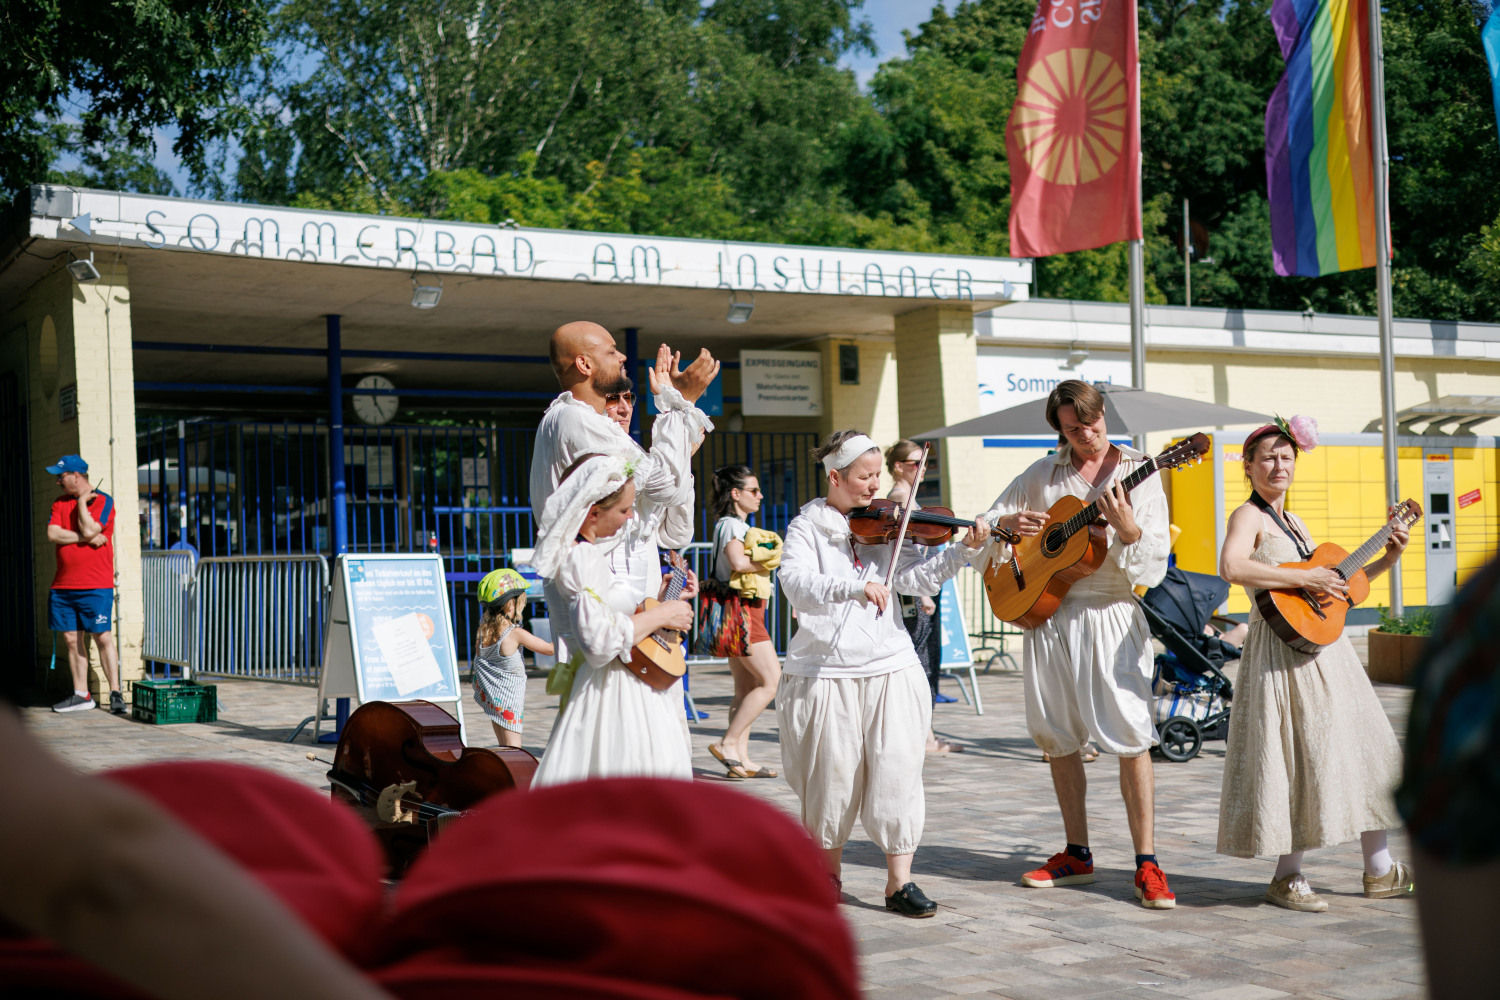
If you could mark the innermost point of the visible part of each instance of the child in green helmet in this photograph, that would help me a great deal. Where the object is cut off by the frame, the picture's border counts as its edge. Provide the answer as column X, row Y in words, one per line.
column 498, row 671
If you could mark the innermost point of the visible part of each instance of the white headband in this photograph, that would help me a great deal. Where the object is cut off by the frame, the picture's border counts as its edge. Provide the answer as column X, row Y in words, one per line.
column 568, row 507
column 848, row 452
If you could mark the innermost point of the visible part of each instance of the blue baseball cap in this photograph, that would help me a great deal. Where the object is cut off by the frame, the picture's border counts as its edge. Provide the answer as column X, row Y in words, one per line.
column 69, row 463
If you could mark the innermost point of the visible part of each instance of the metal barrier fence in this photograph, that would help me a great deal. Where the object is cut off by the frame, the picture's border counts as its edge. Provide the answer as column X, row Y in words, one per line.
column 170, row 626
column 988, row 634
column 261, row 617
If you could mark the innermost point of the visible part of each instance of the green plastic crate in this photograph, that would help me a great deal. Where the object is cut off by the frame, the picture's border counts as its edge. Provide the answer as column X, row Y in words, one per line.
column 164, row 702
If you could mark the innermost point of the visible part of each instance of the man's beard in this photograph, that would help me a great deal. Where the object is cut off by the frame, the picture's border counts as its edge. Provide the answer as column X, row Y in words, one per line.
column 612, row 385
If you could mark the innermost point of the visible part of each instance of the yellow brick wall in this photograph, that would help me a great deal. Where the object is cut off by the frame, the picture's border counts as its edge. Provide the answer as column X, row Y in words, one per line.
column 81, row 334
column 937, row 375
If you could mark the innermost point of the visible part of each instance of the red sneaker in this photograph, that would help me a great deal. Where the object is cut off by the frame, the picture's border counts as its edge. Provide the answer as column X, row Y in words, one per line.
column 1151, row 888
column 1060, row 869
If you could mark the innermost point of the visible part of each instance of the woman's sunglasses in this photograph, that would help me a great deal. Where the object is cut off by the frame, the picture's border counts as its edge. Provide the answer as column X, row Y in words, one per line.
column 628, row 398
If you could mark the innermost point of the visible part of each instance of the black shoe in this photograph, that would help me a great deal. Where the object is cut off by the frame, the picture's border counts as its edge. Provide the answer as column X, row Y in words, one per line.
column 117, row 703
column 909, row 901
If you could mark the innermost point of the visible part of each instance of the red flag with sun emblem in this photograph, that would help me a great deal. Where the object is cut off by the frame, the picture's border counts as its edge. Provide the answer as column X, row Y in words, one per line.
column 1074, row 138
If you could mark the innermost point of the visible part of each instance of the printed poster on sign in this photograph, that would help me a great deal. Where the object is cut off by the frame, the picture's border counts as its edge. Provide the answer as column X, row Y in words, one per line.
column 398, row 618
column 781, row 383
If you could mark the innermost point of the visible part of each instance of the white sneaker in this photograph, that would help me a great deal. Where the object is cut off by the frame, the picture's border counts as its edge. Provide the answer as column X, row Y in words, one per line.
column 1294, row 893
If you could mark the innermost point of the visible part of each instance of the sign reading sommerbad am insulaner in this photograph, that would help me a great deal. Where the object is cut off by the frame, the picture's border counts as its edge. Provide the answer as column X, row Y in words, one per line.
column 469, row 248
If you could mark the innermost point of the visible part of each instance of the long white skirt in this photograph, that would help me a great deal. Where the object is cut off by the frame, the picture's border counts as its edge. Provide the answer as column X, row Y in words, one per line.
column 855, row 746
column 1088, row 676
column 616, row 726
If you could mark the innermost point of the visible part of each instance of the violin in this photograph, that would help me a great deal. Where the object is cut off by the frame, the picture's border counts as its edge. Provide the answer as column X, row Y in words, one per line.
column 881, row 521
column 404, row 767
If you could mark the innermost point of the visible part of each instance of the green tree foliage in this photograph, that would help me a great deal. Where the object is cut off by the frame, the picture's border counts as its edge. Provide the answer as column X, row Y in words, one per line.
column 126, row 67
column 731, row 119
column 731, row 109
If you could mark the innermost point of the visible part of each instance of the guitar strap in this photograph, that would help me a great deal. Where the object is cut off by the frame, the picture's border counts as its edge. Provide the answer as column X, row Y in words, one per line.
column 1303, row 551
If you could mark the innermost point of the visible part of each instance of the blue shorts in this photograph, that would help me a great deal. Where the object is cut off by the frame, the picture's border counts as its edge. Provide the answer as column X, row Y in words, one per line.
column 80, row 610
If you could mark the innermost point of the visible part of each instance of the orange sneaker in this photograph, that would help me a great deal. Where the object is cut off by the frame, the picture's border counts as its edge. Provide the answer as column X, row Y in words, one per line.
column 1151, row 888
column 1060, row 869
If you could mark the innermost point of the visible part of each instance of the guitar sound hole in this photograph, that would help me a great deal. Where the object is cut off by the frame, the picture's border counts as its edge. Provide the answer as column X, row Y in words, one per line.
column 1054, row 542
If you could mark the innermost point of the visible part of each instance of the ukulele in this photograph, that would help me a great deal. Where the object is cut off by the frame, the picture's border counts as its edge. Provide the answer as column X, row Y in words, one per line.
column 1026, row 589
column 1309, row 621
column 661, row 658
column 405, row 769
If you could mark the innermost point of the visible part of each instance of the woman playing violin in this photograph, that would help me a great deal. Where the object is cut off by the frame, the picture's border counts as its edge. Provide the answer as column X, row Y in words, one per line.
column 854, row 707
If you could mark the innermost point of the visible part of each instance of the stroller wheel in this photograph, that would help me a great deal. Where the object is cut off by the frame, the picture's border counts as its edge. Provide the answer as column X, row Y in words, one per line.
column 1180, row 739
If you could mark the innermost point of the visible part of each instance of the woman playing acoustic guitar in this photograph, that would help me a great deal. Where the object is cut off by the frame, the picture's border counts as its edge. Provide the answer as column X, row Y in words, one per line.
column 611, row 722
column 1312, row 759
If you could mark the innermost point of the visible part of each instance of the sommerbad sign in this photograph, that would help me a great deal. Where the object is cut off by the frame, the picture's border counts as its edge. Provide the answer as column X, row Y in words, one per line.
column 469, row 248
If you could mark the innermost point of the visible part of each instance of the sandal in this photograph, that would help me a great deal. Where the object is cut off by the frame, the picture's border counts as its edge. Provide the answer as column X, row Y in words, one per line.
column 734, row 768
column 760, row 772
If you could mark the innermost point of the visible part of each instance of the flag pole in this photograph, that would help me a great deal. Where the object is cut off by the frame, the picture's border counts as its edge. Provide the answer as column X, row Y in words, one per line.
column 1138, row 256
column 1383, row 280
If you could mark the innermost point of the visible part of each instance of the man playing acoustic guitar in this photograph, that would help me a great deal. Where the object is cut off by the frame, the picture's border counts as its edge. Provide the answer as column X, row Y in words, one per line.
column 1088, row 667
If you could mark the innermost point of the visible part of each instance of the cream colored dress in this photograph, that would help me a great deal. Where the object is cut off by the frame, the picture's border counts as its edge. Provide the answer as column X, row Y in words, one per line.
column 1312, row 759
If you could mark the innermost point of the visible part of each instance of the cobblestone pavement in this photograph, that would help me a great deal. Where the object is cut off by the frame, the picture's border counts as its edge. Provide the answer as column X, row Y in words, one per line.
column 991, row 815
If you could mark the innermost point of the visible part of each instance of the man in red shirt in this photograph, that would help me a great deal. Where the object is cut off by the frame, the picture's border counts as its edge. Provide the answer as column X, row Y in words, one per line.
column 83, row 589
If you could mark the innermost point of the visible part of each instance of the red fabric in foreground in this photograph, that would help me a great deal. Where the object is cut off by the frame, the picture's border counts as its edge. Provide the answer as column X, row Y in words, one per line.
column 312, row 853
column 628, row 887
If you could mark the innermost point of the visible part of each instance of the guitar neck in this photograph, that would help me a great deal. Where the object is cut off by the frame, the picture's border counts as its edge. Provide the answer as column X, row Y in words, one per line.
column 1090, row 514
column 1362, row 555
column 674, row 588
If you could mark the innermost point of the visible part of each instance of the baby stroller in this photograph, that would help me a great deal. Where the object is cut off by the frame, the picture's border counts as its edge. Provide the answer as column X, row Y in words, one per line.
column 1192, row 693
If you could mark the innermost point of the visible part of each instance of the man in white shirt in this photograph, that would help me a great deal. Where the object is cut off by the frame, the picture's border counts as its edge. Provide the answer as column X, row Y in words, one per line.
column 589, row 369
column 1088, row 667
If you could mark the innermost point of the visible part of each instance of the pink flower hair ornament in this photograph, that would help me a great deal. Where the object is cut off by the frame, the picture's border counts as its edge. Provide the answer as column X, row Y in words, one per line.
column 1301, row 431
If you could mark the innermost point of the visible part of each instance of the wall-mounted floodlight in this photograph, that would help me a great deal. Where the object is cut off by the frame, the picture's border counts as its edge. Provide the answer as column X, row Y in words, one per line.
column 83, row 270
column 739, row 312
column 425, row 296
column 1077, row 355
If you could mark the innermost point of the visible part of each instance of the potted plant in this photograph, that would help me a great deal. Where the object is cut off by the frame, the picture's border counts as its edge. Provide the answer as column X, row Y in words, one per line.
column 1396, row 645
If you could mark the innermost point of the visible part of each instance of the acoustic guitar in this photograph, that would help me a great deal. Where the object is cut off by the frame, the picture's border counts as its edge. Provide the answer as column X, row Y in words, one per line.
column 661, row 658
column 1026, row 589
column 1308, row 621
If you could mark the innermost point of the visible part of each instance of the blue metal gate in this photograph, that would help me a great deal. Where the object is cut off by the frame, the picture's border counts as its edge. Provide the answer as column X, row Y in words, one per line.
column 259, row 488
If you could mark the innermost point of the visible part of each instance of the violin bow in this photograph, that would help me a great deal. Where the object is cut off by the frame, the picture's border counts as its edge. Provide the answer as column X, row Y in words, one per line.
column 906, row 509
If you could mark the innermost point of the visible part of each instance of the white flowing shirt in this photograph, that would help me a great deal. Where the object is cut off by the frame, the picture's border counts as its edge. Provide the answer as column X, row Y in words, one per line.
column 571, row 428
column 1144, row 562
column 823, row 574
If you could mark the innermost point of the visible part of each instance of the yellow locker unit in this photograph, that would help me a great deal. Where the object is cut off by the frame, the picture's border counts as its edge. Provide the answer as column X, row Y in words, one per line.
column 1339, row 491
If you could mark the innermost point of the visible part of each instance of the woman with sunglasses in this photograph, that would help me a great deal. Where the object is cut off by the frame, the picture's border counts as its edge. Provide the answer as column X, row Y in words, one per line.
column 919, row 613
column 737, row 497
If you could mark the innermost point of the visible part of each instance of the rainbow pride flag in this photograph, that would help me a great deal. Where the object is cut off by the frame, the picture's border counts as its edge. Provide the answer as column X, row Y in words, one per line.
column 1319, row 149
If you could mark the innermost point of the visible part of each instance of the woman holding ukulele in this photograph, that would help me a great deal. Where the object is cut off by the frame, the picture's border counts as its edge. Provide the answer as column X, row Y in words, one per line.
column 611, row 722
column 1312, row 759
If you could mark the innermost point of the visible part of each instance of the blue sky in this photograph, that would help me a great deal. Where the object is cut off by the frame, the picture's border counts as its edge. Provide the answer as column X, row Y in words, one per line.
column 888, row 17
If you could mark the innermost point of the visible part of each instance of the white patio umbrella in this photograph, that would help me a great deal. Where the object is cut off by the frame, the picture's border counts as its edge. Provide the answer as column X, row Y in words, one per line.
column 1126, row 411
